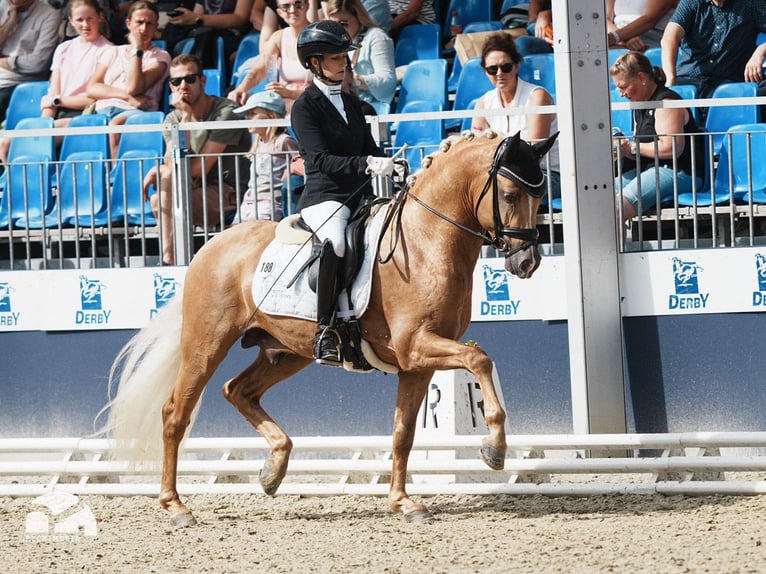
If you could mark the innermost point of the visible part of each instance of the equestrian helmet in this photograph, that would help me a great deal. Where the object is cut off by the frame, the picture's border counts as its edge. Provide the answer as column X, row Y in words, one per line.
column 322, row 38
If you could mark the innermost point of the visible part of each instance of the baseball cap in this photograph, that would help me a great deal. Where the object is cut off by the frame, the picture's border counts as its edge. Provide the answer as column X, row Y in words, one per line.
column 266, row 99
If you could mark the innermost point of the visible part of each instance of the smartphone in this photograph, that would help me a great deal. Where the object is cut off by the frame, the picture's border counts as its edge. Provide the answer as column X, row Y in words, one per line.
column 174, row 13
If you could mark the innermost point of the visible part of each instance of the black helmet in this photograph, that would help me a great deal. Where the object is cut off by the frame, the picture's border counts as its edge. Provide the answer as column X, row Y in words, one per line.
column 321, row 38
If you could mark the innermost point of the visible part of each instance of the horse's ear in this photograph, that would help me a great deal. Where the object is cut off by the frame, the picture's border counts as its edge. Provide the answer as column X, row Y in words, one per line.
column 541, row 148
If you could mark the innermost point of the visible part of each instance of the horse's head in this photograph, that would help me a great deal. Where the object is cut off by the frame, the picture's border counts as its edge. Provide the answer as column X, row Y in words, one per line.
column 516, row 195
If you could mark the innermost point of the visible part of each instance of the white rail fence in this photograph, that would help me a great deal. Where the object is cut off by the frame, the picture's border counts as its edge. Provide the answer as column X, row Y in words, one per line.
column 552, row 465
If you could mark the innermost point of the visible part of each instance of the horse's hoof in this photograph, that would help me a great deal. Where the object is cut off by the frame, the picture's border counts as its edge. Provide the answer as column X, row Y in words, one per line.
column 420, row 515
column 183, row 520
column 269, row 479
column 493, row 457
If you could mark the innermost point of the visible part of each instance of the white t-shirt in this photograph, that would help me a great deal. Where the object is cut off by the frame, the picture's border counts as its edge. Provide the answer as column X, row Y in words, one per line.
column 509, row 125
column 76, row 61
column 117, row 59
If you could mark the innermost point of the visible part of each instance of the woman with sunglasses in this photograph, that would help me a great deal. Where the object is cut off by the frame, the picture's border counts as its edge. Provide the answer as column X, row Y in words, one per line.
column 280, row 58
column 372, row 62
column 500, row 60
column 339, row 156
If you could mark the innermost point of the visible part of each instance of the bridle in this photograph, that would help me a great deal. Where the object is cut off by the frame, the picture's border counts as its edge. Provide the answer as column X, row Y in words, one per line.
column 500, row 235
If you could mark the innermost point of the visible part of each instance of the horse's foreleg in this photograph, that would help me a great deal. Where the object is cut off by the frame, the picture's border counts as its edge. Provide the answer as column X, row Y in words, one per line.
column 435, row 352
column 409, row 396
column 245, row 391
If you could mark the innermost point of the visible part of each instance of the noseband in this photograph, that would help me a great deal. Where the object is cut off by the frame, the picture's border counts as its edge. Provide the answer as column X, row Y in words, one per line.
column 500, row 235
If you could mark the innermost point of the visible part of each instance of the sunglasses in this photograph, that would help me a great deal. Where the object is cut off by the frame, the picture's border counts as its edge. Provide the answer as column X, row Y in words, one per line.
column 505, row 68
column 294, row 6
column 190, row 79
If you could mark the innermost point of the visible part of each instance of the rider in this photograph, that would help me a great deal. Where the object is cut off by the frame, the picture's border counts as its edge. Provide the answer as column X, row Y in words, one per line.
column 340, row 155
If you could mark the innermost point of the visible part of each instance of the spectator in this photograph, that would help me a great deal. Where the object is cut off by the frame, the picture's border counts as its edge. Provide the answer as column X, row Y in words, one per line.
column 500, row 60
column 229, row 19
column 129, row 78
column 280, row 58
column 74, row 62
column 192, row 104
column 637, row 24
column 404, row 12
column 110, row 25
column 539, row 28
column 716, row 39
column 28, row 36
column 372, row 62
column 662, row 143
column 270, row 158
column 266, row 20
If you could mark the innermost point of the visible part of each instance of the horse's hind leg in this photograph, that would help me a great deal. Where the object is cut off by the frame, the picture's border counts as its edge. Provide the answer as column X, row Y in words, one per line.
column 245, row 391
column 409, row 396
column 176, row 416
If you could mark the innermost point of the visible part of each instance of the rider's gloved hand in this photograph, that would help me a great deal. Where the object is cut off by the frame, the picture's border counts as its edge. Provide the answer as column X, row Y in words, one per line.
column 380, row 166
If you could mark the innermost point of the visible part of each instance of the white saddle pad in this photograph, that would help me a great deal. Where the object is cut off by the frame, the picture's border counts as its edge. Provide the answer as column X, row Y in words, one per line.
column 281, row 261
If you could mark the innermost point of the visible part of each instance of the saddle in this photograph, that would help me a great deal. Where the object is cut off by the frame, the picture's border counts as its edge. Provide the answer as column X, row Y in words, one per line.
column 347, row 325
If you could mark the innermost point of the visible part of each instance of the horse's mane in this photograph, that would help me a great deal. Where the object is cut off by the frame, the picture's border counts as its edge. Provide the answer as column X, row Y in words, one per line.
column 448, row 144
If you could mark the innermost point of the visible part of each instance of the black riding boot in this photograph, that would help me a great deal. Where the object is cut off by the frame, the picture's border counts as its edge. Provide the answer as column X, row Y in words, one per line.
column 326, row 344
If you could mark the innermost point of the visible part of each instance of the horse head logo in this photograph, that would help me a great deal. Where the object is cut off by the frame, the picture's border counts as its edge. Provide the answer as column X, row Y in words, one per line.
column 496, row 284
column 760, row 266
column 5, row 297
column 164, row 289
column 685, row 276
column 90, row 293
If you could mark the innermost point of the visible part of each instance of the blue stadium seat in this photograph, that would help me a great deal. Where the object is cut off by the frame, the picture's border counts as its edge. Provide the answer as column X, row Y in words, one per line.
column 454, row 75
column 472, row 84
column 702, row 196
column 509, row 4
column 82, row 163
column 27, row 180
column 424, row 80
column 655, row 55
column 25, row 102
column 213, row 83
column 425, row 135
column 488, row 26
column 143, row 139
column 720, row 119
column 248, row 48
column 98, row 142
column 687, row 92
column 417, row 42
column 539, row 69
column 468, row 11
column 745, row 147
column 127, row 205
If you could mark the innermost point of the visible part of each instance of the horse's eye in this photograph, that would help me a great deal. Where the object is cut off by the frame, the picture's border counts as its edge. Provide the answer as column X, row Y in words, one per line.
column 509, row 197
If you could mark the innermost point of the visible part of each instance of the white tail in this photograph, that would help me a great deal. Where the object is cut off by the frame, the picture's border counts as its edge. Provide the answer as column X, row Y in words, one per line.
column 144, row 373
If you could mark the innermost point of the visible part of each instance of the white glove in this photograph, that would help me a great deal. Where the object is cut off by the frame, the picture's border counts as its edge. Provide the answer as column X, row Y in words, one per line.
column 380, row 166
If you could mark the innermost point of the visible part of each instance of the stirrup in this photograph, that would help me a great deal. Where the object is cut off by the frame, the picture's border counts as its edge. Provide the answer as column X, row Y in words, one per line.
column 326, row 348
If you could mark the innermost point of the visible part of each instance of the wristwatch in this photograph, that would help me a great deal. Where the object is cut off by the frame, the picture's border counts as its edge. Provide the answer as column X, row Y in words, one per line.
column 138, row 53
column 56, row 100
column 199, row 22
column 633, row 148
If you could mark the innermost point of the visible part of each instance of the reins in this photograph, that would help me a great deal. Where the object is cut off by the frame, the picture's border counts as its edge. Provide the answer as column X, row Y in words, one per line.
column 529, row 235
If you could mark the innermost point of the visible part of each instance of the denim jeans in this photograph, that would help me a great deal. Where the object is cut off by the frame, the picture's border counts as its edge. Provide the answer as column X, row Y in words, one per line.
column 651, row 179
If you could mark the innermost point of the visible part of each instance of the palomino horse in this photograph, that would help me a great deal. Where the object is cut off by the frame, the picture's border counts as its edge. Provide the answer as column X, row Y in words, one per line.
column 475, row 190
